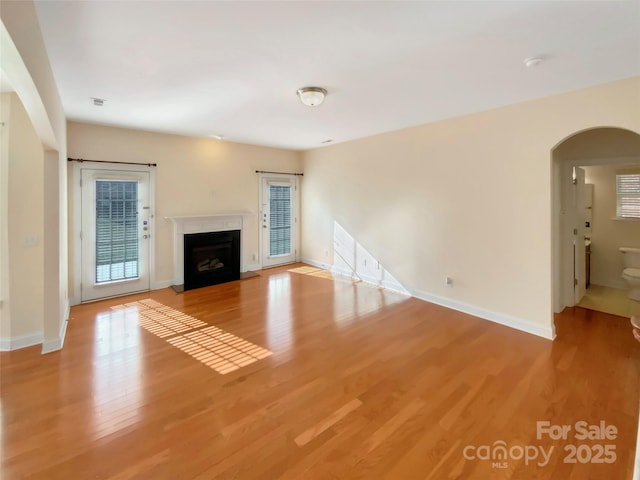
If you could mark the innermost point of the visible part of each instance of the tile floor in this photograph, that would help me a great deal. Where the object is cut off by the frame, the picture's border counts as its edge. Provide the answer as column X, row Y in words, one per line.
column 609, row 300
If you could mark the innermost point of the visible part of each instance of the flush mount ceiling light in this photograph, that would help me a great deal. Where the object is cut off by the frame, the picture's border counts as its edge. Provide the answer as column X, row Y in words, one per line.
column 532, row 61
column 312, row 96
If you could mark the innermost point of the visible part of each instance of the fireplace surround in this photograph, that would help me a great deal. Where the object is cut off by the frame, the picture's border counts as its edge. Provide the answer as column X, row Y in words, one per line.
column 185, row 226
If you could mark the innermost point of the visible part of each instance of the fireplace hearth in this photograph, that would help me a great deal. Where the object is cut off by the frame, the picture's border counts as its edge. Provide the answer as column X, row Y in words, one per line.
column 211, row 258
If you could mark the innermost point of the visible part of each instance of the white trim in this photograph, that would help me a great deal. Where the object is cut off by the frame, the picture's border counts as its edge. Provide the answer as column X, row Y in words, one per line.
column 343, row 272
column 76, row 217
column 19, row 77
column 543, row 331
column 21, row 341
column 636, row 470
column 497, row 317
column 625, row 219
column 296, row 180
column 55, row 344
column 254, row 267
column 562, row 288
column 394, row 286
column 214, row 222
column 370, row 280
column 313, row 263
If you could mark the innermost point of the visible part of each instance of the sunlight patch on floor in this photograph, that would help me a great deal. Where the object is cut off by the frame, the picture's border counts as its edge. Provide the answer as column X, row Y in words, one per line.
column 161, row 320
column 219, row 350
column 329, row 275
column 313, row 272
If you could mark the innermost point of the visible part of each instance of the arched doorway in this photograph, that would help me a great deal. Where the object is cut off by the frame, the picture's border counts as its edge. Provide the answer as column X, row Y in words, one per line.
column 616, row 148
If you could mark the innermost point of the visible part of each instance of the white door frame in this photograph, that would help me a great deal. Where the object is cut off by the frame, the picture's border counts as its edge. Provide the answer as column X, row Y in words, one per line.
column 296, row 225
column 578, row 231
column 563, row 291
column 76, row 222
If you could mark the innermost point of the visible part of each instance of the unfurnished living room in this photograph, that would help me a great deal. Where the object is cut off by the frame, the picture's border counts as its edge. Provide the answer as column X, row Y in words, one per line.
column 319, row 240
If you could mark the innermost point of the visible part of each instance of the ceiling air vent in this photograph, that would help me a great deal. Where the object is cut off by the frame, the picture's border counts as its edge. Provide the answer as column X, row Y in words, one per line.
column 98, row 102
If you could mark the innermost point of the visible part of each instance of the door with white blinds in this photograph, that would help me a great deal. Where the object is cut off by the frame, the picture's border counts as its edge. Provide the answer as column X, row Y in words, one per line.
column 279, row 220
column 115, row 233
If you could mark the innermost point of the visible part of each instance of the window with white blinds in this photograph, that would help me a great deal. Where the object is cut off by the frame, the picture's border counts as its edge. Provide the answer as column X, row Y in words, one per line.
column 280, row 220
column 628, row 193
column 116, row 230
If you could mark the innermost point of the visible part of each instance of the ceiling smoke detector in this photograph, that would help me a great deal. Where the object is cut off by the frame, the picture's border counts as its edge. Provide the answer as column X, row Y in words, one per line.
column 312, row 96
column 97, row 102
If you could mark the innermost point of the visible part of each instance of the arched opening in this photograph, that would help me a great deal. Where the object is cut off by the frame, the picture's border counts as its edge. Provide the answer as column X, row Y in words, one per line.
column 586, row 229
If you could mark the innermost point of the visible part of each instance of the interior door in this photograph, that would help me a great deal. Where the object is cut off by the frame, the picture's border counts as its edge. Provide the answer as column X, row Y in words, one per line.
column 579, row 216
column 115, row 233
column 279, row 220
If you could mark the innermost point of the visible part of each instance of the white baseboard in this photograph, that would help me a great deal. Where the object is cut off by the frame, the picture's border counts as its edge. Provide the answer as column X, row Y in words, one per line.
column 252, row 268
column 55, row 344
column 314, row 263
column 21, row 341
column 636, row 470
column 344, row 272
column 384, row 283
column 544, row 331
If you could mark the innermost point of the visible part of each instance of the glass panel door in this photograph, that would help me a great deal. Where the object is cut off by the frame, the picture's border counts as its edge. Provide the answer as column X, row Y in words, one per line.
column 279, row 222
column 115, row 233
column 117, row 248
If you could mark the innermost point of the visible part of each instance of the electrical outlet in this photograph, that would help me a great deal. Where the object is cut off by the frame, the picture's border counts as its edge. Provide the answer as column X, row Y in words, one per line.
column 254, row 257
column 448, row 281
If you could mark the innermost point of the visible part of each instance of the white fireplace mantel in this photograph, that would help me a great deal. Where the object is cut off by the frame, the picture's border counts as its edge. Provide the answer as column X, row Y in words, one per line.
column 214, row 222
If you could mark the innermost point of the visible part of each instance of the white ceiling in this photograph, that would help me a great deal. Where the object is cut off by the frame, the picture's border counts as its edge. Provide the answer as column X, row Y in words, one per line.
column 233, row 68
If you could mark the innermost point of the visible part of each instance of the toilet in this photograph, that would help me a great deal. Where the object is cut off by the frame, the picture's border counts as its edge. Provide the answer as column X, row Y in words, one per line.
column 631, row 272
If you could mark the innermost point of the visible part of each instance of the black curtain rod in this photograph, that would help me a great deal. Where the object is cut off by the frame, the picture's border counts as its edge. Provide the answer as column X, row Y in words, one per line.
column 281, row 173
column 106, row 161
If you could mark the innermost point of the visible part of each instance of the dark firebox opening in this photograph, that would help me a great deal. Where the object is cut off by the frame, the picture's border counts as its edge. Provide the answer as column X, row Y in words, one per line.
column 211, row 258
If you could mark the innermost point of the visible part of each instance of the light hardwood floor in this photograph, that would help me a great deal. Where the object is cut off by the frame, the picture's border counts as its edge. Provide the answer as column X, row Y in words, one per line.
column 340, row 381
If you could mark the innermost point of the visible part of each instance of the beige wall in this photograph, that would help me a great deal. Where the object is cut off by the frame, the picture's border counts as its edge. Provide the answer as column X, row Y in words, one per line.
column 609, row 233
column 468, row 198
column 26, row 66
column 193, row 176
column 5, row 318
column 25, row 222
